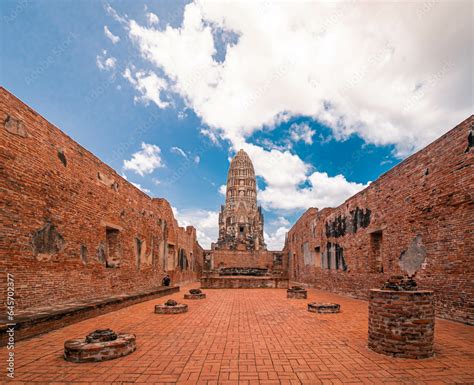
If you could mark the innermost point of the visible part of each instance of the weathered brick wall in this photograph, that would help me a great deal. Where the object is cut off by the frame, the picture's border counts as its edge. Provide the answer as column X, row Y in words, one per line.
column 243, row 282
column 237, row 258
column 422, row 207
column 71, row 227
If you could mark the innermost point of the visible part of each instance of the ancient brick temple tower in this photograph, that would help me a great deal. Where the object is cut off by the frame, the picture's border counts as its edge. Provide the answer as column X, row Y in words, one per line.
column 241, row 220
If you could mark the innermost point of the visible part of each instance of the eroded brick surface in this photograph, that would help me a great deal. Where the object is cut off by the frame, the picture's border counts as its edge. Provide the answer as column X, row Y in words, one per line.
column 247, row 337
column 71, row 227
column 417, row 218
column 401, row 323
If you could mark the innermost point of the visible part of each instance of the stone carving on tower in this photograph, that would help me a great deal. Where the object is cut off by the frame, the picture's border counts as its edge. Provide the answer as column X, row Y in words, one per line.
column 240, row 219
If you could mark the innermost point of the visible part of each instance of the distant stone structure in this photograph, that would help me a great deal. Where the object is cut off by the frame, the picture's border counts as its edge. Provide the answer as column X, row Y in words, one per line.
column 239, row 258
column 240, row 219
column 297, row 292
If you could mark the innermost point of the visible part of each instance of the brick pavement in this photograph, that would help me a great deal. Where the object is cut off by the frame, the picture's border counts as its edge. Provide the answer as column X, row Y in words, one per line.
column 249, row 336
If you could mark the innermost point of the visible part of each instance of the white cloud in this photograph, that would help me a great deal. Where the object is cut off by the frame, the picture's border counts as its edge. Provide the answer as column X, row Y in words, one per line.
column 112, row 12
column 301, row 132
column 380, row 70
column 114, row 39
column 144, row 161
column 280, row 221
column 197, row 159
column 278, row 168
column 205, row 222
column 140, row 187
column 179, row 151
column 323, row 191
column 405, row 84
column 152, row 18
column 148, row 84
column 211, row 135
column 105, row 63
column 276, row 240
column 222, row 189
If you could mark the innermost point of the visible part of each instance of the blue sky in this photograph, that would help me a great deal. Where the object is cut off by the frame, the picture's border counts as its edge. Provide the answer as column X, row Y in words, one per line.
column 165, row 92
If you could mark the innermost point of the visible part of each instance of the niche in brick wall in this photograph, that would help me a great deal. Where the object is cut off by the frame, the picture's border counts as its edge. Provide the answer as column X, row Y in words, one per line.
column 84, row 254
column 376, row 252
column 317, row 256
column 183, row 260
column 114, row 250
column 46, row 242
column 170, row 260
column 140, row 252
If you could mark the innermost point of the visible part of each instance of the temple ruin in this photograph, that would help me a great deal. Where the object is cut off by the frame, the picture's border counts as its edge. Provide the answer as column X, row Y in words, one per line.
column 81, row 241
column 239, row 258
column 240, row 219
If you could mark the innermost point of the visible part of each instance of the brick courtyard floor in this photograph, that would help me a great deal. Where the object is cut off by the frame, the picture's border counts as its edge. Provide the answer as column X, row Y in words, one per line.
column 250, row 336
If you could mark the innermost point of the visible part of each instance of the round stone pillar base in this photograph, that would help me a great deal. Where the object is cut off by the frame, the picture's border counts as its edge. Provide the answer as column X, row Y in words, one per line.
column 401, row 323
column 79, row 350
column 194, row 296
column 296, row 293
column 176, row 309
column 324, row 308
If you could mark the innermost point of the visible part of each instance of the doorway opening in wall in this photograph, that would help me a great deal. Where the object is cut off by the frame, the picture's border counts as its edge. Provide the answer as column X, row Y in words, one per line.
column 113, row 247
column 241, row 229
column 138, row 252
column 376, row 250
column 317, row 256
column 328, row 255
column 171, row 258
column 182, row 260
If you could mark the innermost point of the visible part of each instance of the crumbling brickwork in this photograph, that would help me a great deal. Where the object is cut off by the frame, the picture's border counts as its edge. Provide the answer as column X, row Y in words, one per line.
column 271, row 260
column 401, row 323
column 418, row 215
column 71, row 227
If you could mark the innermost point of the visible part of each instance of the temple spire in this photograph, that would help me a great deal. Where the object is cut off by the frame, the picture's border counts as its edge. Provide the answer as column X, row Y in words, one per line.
column 241, row 220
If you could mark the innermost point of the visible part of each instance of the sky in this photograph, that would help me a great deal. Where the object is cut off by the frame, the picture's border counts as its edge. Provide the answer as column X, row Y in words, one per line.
column 324, row 96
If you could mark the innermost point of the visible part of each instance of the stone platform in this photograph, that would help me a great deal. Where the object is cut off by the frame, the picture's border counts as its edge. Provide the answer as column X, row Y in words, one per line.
column 243, row 282
column 41, row 320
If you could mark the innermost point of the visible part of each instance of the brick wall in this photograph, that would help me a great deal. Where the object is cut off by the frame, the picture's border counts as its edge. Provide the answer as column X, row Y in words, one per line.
column 422, row 207
column 271, row 260
column 71, row 227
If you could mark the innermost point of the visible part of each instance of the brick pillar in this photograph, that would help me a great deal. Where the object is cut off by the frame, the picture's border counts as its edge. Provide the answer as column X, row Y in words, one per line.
column 401, row 323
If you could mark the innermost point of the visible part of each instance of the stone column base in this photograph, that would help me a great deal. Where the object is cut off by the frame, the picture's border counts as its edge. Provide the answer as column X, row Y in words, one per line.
column 401, row 323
